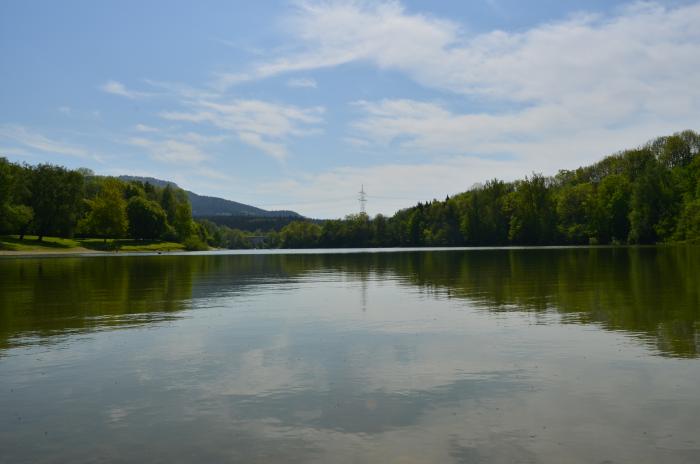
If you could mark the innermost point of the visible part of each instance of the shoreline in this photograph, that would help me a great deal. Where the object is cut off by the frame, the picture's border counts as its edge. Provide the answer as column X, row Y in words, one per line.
column 83, row 252
column 12, row 246
column 38, row 253
column 86, row 252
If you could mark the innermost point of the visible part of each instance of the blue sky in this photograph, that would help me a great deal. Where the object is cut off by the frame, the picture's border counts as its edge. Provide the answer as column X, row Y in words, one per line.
column 294, row 105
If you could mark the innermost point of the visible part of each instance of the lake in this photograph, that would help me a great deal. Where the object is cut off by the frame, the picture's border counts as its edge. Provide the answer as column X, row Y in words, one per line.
column 573, row 355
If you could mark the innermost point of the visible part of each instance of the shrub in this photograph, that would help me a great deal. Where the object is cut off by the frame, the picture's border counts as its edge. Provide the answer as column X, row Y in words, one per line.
column 194, row 243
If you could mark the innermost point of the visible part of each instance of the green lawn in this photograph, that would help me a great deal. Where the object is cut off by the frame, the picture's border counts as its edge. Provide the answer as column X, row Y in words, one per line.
column 49, row 244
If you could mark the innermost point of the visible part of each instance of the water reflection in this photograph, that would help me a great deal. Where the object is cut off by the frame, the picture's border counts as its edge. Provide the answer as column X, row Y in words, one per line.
column 454, row 356
column 652, row 293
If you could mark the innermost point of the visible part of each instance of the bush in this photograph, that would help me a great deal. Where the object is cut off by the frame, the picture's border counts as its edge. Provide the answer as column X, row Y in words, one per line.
column 194, row 243
column 170, row 235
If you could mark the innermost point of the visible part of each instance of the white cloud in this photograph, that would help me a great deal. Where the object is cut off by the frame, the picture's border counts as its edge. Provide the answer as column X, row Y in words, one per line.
column 225, row 80
column 334, row 33
column 145, row 128
column 182, row 91
column 36, row 141
column 646, row 43
column 260, row 124
column 615, row 79
column 171, row 150
column 216, row 174
column 117, row 88
column 545, row 137
column 302, row 82
column 333, row 193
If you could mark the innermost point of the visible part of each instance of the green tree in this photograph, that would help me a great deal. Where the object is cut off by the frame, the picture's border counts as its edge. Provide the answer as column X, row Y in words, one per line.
column 182, row 220
column 575, row 210
column 235, row 239
column 611, row 212
column 56, row 199
column 147, row 220
column 379, row 231
column 533, row 217
column 15, row 215
column 133, row 189
column 18, row 219
column 107, row 216
column 689, row 222
column 169, row 203
column 300, row 234
column 676, row 151
column 650, row 220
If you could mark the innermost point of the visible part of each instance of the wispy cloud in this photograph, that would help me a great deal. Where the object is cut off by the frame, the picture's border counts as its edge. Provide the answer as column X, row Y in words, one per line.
column 145, row 128
column 334, row 33
column 170, row 150
column 30, row 139
column 536, row 138
column 586, row 52
column 263, row 125
column 572, row 89
column 332, row 193
column 182, row 91
column 117, row 88
column 302, row 82
column 178, row 150
column 586, row 74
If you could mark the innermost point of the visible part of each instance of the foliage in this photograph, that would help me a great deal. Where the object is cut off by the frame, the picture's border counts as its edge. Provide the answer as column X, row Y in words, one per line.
column 146, row 218
column 56, row 199
column 107, row 216
column 194, row 243
column 52, row 200
column 300, row 234
column 250, row 223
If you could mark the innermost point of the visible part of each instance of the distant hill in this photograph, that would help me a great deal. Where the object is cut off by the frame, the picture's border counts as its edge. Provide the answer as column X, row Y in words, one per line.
column 214, row 206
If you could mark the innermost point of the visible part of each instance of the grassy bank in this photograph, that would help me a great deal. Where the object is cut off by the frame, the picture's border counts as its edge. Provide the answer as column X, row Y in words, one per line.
column 31, row 244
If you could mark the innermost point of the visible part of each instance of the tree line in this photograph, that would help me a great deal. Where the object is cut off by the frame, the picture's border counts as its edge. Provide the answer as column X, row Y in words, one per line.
column 48, row 200
column 646, row 195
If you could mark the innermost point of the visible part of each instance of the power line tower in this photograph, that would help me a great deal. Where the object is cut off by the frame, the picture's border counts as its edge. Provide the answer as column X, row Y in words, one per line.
column 362, row 199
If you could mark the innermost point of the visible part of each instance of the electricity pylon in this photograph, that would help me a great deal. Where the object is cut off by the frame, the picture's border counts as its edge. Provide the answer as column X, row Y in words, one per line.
column 362, row 199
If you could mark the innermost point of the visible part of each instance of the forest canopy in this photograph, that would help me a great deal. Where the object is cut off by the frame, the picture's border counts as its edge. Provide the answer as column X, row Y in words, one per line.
column 49, row 200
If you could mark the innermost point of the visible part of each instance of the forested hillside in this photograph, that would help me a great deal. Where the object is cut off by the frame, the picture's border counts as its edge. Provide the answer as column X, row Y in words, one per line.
column 645, row 195
column 203, row 206
column 48, row 200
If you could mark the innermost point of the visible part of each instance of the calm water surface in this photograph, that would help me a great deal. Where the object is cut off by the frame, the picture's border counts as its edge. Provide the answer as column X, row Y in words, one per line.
column 465, row 356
